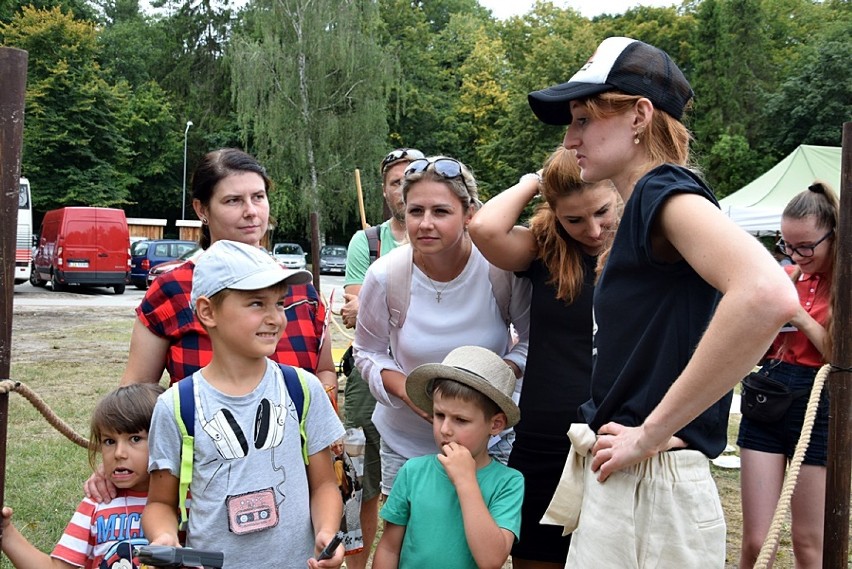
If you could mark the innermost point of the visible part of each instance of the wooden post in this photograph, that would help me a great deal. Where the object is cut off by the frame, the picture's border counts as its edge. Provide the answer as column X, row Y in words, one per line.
column 839, row 469
column 364, row 224
column 13, row 78
column 315, row 249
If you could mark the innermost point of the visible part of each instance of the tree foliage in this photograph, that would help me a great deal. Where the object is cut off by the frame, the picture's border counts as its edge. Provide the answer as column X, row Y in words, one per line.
column 316, row 114
column 317, row 88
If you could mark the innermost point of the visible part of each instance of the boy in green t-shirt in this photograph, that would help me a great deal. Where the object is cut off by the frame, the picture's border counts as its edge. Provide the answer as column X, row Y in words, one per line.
column 460, row 508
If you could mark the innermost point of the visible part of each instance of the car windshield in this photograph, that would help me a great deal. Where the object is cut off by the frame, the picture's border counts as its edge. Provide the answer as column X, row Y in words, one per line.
column 333, row 251
column 139, row 248
column 192, row 251
column 287, row 249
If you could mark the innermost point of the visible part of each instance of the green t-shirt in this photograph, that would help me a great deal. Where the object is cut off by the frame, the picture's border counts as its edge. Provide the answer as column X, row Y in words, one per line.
column 425, row 501
column 358, row 253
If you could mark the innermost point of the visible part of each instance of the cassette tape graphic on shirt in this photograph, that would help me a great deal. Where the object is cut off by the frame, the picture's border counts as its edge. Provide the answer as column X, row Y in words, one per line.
column 252, row 511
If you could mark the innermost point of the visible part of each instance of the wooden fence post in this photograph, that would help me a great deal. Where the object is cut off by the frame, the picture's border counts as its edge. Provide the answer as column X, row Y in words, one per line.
column 13, row 78
column 839, row 468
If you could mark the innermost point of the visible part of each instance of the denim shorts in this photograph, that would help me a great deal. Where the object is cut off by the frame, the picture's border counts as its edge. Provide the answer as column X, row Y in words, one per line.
column 781, row 436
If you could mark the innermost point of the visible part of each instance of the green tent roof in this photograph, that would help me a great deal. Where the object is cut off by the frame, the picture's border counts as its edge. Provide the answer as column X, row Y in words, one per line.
column 757, row 206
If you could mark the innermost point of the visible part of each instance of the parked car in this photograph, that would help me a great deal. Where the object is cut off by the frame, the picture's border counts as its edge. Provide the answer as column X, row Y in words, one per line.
column 290, row 255
column 145, row 255
column 82, row 246
column 332, row 259
column 167, row 266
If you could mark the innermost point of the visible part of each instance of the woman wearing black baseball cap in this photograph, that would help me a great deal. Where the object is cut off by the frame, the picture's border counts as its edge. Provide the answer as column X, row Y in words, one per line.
column 686, row 304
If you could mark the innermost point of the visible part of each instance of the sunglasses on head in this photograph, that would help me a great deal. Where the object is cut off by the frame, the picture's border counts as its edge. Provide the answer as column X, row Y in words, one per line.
column 400, row 154
column 448, row 168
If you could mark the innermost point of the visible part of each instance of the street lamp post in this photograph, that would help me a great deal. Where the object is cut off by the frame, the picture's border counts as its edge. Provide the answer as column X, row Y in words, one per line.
column 183, row 203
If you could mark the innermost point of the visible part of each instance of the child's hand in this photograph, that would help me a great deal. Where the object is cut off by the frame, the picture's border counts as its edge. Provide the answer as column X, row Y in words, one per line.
column 169, row 539
column 336, row 560
column 458, row 462
column 7, row 516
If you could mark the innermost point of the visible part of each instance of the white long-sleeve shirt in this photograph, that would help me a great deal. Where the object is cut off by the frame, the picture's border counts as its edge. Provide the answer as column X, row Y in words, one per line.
column 467, row 315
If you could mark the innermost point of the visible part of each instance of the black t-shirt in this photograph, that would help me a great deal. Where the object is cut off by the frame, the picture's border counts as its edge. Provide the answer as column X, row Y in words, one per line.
column 559, row 363
column 650, row 316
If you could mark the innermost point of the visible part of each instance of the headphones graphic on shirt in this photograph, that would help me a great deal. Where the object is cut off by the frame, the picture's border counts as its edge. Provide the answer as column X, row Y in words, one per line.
column 229, row 438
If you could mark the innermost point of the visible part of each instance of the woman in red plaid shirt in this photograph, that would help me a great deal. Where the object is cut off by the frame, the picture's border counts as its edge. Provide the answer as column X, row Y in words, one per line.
column 230, row 191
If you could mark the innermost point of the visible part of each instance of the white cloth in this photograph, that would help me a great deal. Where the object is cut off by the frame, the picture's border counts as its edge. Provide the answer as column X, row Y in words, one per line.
column 467, row 315
column 564, row 508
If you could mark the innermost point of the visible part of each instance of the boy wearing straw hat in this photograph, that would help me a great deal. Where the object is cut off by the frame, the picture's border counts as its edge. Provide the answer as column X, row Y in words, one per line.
column 459, row 508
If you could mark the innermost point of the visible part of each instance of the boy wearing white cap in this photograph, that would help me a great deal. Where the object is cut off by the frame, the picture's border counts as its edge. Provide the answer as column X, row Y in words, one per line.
column 460, row 508
column 252, row 493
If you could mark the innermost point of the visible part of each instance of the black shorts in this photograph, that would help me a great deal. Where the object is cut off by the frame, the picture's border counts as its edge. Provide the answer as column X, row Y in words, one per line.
column 781, row 436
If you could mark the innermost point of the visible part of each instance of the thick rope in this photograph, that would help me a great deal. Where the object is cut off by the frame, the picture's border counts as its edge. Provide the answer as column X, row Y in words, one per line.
column 8, row 385
column 774, row 535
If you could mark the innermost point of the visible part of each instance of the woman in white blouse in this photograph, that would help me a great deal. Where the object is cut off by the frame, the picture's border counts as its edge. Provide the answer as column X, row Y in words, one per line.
column 455, row 298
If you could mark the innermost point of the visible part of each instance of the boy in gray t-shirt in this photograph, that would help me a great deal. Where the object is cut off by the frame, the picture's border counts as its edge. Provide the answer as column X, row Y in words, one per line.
column 253, row 497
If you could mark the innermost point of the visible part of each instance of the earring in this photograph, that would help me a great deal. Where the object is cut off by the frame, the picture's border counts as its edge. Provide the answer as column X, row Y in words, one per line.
column 636, row 137
column 204, row 219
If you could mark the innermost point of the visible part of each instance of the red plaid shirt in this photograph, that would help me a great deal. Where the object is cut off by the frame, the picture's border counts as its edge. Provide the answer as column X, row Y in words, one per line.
column 166, row 312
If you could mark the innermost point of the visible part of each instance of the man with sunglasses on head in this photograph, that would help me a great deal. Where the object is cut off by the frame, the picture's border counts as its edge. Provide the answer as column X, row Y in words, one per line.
column 364, row 248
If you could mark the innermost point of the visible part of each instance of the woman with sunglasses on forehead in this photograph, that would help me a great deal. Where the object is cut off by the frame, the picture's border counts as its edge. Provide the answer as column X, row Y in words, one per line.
column 451, row 304
column 685, row 305
column 558, row 253
column 808, row 226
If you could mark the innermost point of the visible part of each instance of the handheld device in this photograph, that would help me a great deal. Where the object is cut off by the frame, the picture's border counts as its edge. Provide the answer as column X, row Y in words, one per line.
column 166, row 556
column 332, row 545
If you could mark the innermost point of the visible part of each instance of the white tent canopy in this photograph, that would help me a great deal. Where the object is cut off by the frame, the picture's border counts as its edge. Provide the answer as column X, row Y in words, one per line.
column 757, row 206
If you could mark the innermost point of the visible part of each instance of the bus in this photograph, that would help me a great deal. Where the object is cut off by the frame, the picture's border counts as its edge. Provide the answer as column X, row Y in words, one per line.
column 24, row 243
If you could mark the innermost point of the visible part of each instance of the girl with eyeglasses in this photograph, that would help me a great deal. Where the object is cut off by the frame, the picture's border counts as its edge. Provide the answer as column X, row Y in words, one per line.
column 808, row 226
column 685, row 305
column 558, row 253
column 452, row 303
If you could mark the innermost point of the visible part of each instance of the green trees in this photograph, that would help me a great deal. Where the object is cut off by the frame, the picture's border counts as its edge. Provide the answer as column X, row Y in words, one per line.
column 73, row 149
column 309, row 83
column 317, row 88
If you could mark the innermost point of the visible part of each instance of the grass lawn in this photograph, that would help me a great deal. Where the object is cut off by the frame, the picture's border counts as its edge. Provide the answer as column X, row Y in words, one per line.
column 73, row 358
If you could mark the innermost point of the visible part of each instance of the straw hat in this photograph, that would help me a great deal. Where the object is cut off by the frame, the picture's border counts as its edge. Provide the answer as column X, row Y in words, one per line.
column 476, row 367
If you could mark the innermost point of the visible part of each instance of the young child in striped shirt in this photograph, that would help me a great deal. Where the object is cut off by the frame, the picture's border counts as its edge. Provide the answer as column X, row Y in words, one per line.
column 102, row 535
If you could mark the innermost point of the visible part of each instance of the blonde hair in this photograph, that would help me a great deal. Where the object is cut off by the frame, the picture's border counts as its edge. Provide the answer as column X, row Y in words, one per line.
column 463, row 186
column 558, row 251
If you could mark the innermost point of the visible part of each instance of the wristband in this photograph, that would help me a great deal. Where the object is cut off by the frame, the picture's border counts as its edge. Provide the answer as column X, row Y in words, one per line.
column 526, row 177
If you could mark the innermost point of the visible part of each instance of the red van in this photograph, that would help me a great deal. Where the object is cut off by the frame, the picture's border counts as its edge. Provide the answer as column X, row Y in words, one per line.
column 84, row 246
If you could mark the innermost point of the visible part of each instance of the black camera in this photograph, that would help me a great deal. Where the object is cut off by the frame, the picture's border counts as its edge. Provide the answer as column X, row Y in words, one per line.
column 166, row 556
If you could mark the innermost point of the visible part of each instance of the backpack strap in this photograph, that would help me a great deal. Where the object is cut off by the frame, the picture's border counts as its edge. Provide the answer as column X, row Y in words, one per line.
column 374, row 242
column 501, row 288
column 400, row 263
column 184, row 409
column 297, row 389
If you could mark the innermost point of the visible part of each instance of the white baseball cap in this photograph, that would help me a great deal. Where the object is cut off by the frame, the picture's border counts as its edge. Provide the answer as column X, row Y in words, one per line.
column 237, row 266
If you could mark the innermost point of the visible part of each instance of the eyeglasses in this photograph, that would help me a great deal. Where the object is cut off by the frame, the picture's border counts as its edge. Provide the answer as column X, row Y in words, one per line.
column 399, row 154
column 801, row 250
